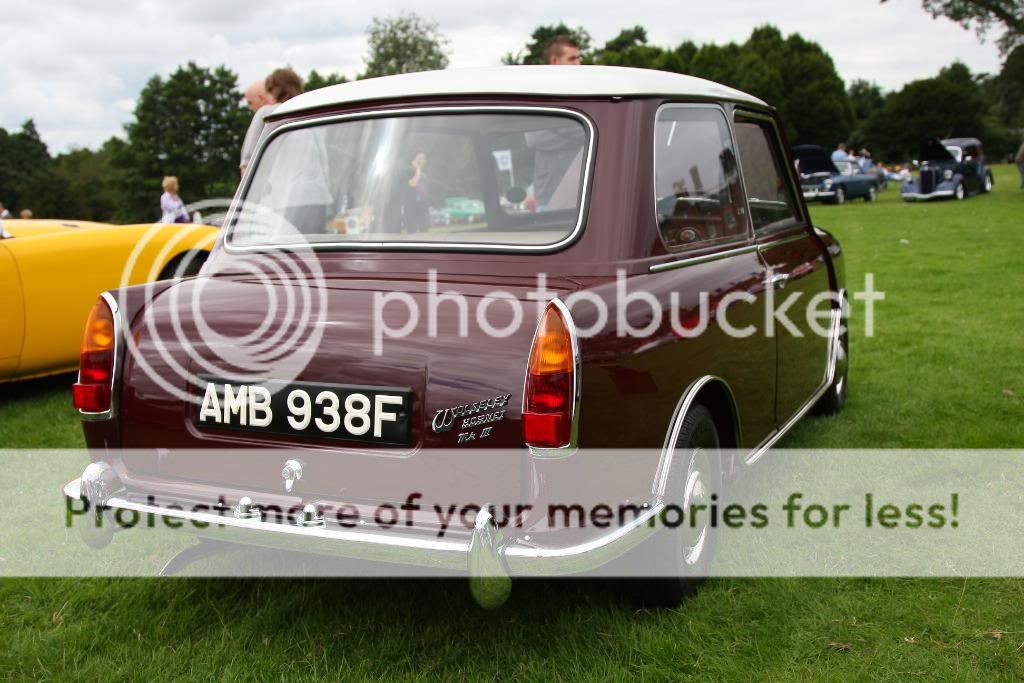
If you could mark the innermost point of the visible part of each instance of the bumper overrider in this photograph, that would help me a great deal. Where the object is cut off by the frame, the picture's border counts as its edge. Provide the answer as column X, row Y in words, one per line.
column 488, row 556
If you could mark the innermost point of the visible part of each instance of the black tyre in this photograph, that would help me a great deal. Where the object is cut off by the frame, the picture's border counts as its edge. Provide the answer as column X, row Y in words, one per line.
column 960, row 193
column 872, row 194
column 186, row 264
column 695, row 474
column 988, row 183
column 840, row 197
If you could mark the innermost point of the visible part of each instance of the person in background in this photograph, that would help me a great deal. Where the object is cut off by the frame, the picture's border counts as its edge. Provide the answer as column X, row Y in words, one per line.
column 562, row 49
column 260, row 104
column 25, row 214
column 172, row 209
column 840, row 153
column 256, row 95
column 865, row 160
column 1020, row 163
column 4, row 235
column 279, row 87
column 4, row 213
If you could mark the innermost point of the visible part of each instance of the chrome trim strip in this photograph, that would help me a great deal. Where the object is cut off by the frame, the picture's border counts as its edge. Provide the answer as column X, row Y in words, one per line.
column 830, row 370
column 682, row 408
column 815, row 194
column 573, row 445
column 764, row 246
column 115, row 376
column 704, row 258
column 264, row 141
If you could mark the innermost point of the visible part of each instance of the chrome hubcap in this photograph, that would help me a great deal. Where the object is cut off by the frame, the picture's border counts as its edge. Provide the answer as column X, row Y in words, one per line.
column 695, row 493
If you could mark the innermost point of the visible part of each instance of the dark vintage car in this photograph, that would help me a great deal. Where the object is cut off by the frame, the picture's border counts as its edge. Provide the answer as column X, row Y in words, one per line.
column 949, row 168
column 830, row 181
column 602, row 180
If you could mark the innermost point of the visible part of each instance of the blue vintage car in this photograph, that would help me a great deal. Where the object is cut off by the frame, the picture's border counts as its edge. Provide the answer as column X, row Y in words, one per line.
column 949, row 168
column 832, row 181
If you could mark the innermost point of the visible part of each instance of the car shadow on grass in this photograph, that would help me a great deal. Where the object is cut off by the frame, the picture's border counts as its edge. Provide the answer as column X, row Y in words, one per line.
column 30, row 389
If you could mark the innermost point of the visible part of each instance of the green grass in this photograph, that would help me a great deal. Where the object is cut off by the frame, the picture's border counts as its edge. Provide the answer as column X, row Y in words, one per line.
column 943, row 370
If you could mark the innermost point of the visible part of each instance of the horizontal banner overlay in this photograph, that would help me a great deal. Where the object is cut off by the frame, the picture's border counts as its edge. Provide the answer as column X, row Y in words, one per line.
column 407, row 512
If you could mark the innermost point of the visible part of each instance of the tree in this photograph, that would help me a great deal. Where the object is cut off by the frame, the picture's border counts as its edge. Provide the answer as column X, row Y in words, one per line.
column 627, row 38
column 317, row 80
column 404, row 44
column 983, row 15
column 793, row 74
column 24, row 156
column 1009, row 90
column 190, row 126
column 77, row 186
column 949, row 105
column 534, row 51
column 865, row 97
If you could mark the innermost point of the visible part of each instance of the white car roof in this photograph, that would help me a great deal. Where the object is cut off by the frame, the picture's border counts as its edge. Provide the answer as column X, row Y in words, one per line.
column 556, row 81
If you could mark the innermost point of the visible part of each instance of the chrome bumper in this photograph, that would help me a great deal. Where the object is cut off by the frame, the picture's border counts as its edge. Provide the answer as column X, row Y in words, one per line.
column 818, row 194
column 486, row 554
column 917, row 196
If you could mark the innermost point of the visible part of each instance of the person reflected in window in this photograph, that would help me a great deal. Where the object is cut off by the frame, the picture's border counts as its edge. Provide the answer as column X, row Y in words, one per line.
column 415, row 196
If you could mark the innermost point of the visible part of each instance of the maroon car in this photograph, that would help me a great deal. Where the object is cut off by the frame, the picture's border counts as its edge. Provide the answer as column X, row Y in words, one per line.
column 619, row 288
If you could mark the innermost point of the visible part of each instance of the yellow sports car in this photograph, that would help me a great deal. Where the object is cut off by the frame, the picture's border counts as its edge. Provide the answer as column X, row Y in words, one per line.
column 52, row 271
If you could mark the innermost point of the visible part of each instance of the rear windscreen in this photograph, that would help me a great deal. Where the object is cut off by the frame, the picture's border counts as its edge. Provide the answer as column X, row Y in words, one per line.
column 456, row 179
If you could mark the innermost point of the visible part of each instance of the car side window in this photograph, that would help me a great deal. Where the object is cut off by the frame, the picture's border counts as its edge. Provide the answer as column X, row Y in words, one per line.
column 698, row 197
column 772, row 206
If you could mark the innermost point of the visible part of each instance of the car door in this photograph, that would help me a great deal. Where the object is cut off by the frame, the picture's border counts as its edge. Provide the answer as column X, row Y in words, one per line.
column 12, row 313
column 702, row 219
column 795, row 260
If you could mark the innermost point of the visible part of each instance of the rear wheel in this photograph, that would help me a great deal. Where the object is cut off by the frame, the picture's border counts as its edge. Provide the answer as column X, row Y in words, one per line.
column 959, row 193
column 695, row 474
column 872, row 194
column 988, row 183
column 840, row 196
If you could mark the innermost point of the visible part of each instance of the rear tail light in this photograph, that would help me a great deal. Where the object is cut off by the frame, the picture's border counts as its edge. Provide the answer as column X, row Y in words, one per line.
column 549, row 402
column 93, row 392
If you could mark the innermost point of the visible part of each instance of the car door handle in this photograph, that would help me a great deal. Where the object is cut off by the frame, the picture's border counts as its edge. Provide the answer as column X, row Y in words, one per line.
column 778, row 280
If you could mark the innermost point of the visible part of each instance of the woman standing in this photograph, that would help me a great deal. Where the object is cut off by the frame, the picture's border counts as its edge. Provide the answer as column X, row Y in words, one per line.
column 172, row 209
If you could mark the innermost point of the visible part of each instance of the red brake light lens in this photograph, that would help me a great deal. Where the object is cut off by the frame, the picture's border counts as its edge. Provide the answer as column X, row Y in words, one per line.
column 550, row 399
column 92, row 391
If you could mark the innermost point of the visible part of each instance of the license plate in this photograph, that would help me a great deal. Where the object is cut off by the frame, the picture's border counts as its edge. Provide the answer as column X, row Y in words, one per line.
column 348, row 412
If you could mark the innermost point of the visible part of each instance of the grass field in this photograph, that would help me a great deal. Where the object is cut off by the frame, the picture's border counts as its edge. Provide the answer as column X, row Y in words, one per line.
column 944, row 369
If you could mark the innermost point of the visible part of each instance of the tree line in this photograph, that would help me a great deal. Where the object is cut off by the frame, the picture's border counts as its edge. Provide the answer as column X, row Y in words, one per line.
column 191, row 123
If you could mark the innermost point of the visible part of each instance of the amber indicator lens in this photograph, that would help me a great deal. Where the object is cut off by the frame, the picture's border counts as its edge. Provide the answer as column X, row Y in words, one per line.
column 96, row 361
column 550, row 384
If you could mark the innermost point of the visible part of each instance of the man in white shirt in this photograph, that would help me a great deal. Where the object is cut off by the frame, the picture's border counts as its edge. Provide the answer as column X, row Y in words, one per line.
column 261, row 103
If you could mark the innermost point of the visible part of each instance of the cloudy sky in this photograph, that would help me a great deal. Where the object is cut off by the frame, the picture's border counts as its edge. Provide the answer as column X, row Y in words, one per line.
column 76, row 67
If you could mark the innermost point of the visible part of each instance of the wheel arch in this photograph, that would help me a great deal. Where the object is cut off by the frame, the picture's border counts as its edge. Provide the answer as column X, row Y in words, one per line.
column 172, row 263
column 713, row 393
